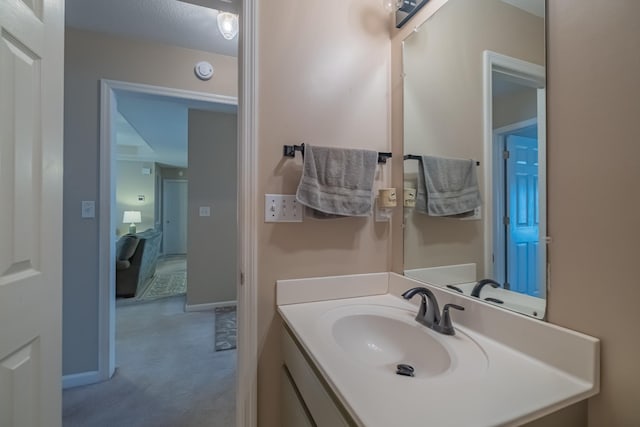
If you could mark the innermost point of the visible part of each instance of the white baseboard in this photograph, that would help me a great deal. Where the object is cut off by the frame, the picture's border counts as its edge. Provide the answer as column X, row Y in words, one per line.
column 208, row 306
column 83, row 378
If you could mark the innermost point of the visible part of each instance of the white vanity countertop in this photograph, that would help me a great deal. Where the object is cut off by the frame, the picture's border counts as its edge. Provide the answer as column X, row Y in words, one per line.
column 511, row 385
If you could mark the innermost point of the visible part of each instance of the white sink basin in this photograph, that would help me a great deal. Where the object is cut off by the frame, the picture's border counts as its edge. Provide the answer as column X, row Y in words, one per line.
column 377, row 338
column 384, row 342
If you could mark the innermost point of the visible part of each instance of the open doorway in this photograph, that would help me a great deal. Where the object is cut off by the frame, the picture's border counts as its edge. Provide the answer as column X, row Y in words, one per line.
column 164, row 164
column 515, row 177
column 143, row 337
column 107, row 40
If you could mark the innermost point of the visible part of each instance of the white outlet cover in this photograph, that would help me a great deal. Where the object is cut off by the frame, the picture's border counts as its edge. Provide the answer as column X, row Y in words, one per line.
column 205, row 210
column 282, row 208
column 88, row 209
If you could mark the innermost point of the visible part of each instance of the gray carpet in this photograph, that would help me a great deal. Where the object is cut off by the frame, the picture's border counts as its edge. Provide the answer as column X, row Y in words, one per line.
column 169, row 374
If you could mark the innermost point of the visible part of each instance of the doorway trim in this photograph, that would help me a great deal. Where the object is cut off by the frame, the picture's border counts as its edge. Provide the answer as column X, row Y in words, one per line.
column 248, row 216
column 527, row 74
column 246, row 406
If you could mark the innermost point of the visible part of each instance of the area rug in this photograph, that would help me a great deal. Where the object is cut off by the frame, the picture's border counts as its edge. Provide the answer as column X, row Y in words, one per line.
column 225, row 328
column 165, row 285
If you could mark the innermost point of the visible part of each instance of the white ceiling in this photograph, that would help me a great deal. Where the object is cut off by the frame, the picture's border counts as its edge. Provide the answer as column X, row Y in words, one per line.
column 155, row 128
column 170, row 22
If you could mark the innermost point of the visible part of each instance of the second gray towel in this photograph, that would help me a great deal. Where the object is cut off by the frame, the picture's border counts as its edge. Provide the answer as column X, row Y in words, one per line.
column 337, row 181
column 447, row 187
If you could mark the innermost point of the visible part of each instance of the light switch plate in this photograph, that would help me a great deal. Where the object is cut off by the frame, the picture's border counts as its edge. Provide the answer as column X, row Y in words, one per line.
column 88, row 209
column 282, row 208
column 205, row 210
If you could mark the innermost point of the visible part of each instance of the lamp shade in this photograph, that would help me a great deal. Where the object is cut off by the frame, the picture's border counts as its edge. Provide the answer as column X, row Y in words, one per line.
column 132, row 217
column 228, row 24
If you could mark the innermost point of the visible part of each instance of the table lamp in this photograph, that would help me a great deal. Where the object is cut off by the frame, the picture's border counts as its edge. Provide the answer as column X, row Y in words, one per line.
column 132, row 217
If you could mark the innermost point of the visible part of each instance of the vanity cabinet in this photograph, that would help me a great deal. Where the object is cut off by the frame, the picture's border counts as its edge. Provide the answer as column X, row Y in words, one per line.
column 307, row 399
column 339, row 348
column 294, row 411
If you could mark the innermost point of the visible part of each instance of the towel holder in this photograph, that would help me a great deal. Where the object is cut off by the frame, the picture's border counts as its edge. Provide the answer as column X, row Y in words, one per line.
column 290, row 151
column 414, row 157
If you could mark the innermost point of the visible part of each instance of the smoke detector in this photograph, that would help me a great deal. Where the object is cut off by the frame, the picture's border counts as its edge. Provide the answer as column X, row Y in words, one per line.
column 204, row 70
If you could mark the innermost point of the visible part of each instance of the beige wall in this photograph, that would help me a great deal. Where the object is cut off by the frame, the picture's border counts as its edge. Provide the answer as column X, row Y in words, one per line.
column 443, row 110
column 90, row 57
column 515, row 107
column 594, row 170
column 212, row 241
column 131, row 183
column 323, row 79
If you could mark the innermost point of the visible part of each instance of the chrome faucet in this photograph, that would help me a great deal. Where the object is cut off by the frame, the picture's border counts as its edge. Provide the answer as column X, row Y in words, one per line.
column 429, row 312
column 481, row 283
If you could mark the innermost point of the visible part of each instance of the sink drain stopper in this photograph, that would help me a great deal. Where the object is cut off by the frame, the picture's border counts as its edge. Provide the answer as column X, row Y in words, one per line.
column 404, row 369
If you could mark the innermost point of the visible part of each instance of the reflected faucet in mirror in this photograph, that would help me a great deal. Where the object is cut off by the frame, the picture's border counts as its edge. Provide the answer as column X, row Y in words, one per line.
column 481, row 283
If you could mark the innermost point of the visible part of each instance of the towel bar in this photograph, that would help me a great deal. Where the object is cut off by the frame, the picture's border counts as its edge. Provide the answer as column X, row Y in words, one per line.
column 414, row 157
column 290, row 151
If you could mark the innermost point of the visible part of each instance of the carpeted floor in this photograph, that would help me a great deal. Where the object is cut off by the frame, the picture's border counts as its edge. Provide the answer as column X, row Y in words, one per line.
column 169, row 374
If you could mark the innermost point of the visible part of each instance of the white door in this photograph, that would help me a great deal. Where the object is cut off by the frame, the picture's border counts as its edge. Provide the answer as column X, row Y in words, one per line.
column 174, row 215
column 31, row 105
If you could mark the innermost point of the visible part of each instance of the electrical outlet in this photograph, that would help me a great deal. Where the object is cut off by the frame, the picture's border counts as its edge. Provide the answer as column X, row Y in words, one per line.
column 477, row 214
column 282, row 208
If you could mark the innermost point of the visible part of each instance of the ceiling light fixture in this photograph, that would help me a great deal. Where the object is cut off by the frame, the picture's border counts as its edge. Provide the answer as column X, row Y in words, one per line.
column 228, row 24
column 391, row 5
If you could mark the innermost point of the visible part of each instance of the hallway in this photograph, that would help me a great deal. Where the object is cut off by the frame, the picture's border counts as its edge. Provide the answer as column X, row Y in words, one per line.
column 168, row 373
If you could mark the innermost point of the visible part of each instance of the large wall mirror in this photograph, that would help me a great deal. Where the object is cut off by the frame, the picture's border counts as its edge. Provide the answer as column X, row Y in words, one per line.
column 474, row 89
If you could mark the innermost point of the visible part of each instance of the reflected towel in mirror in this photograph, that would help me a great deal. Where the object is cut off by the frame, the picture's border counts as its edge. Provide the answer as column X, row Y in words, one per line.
column 447, row 187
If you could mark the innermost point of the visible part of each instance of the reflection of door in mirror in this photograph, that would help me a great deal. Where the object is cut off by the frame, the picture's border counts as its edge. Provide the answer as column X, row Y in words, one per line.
column 447, row 92
column 521, row 223
column 521, row 216
column 517, row 146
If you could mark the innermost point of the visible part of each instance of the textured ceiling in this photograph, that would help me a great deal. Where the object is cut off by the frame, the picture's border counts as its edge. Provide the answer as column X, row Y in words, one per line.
column 162, row 21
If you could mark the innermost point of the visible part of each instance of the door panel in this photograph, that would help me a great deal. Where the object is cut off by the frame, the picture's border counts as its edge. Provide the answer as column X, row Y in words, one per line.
column 522, row 202
column 19, row 387
column 31, row 81
column 174, row 201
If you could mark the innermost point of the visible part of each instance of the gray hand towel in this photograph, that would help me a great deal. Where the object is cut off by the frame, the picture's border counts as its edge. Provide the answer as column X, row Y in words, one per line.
column 447, row 187
column 337, row 181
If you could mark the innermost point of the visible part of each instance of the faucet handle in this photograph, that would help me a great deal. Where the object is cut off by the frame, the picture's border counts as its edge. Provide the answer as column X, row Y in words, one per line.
column 446, row 326
column 456, row 306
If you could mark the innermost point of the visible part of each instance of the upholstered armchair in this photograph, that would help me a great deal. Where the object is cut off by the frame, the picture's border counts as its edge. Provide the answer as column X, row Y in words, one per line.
column 136, row 260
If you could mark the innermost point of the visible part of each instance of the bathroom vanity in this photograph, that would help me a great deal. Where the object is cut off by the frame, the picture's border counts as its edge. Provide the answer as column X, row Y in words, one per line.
column 345, row 336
